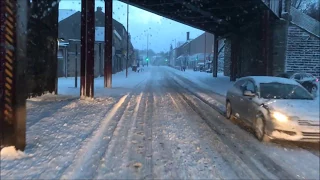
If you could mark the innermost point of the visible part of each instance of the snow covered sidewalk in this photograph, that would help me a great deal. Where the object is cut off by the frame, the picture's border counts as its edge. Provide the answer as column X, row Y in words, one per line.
column 58, row 126
column 218, row 85
column 120, row 84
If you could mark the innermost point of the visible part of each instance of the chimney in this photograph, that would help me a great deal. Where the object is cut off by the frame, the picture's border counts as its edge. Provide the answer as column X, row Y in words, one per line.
column 188, row 36
column 99, row 9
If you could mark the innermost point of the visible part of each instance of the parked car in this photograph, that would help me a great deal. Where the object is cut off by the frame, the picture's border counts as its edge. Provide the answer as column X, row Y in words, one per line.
column 307, row 80
column 199, row 67
column 276, row 108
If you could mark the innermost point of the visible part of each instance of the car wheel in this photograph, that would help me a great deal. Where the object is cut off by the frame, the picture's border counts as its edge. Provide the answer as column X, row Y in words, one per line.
column 259, row 129
column 228, row 110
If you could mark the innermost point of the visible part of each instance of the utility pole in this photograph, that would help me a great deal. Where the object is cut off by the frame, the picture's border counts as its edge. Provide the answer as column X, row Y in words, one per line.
column 147, row 49
column 127, row 40
column 205, row 47
column 108, row 45
column 76, row 68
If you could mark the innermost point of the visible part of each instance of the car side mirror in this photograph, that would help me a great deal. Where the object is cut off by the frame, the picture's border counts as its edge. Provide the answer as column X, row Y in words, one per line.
column 249, row 93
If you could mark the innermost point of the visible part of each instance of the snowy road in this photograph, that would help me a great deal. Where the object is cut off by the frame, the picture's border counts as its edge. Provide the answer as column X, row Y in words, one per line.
column 160, row 130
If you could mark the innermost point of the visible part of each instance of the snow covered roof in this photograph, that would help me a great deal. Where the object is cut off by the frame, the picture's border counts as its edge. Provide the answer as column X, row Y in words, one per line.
column 271, row 79
column 65, row 13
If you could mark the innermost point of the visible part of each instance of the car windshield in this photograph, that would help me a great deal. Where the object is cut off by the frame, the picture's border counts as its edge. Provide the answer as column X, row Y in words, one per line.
column 283, row 91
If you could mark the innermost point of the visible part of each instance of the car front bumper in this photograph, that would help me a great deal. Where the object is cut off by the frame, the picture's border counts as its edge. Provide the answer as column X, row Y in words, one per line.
column 293, row 131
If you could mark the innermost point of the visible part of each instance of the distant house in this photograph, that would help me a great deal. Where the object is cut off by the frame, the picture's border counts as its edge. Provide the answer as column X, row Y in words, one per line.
column 65, row 13
column 70, row 31
column 198, row 50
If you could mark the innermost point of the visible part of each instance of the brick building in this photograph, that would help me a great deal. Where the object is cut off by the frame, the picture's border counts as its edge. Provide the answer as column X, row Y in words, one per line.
column 303, row 45
column 70, row 30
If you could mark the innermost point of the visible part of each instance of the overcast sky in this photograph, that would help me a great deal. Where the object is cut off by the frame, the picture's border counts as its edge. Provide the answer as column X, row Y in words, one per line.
column 162, row 30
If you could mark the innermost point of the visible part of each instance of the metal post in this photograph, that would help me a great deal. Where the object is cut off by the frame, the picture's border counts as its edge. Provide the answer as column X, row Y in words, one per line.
column 55, row 15
column 100, row 60
column 83, row 48
column 205, row 46
column 127, row 40
column 215, row 56
column 108, row 44
column 13, row 17
column 76, row 68
column 66, row 61
column 147, row 49
column 90, row 48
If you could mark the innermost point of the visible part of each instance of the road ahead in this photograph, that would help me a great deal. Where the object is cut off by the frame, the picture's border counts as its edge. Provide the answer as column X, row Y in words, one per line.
column 162, row 131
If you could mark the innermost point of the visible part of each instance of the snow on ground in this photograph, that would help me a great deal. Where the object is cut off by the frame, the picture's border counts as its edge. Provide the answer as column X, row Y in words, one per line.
column 219, row 85
column 145, row 128
column 10, row 153
column 292, row 158
column 58, row 125
column 120, row 84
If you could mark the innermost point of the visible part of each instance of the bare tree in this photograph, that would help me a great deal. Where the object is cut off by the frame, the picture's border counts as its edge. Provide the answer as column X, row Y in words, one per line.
column 297, row 3
column 313, row 11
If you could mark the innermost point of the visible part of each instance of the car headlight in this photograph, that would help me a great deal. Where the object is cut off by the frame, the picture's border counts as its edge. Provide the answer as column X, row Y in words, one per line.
column 279, row 117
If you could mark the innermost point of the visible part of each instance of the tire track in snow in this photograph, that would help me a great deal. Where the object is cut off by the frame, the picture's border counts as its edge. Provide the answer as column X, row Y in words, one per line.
column 221, row 99
column 221, row 163
column 226, row 164
column 114, row 162
column 165, row 166
column 138, row 157
column 84, row 165
column 243, row 153
column 148, row 120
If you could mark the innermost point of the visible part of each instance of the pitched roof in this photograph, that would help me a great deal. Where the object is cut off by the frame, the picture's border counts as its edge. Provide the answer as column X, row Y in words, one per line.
column 65, row 13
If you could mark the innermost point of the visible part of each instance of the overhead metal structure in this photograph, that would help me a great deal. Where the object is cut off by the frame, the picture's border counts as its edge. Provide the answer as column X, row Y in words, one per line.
column 214, row 16
column 223, row 18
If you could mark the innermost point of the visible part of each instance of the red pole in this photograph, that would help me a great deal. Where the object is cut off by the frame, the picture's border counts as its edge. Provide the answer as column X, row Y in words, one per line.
column 90, row 49
column 83, row 48
column 108, row 31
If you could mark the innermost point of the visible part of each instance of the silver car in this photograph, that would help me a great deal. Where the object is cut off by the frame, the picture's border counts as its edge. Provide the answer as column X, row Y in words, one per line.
column 276, row 108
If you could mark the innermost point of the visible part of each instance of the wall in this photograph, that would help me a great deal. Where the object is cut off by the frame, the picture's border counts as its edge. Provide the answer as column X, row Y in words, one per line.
column 303, row 46
column 249, row 59
column 303, row 51
column 199, row 45
column 221, row 48
column 279, row 45
column 227, row 56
